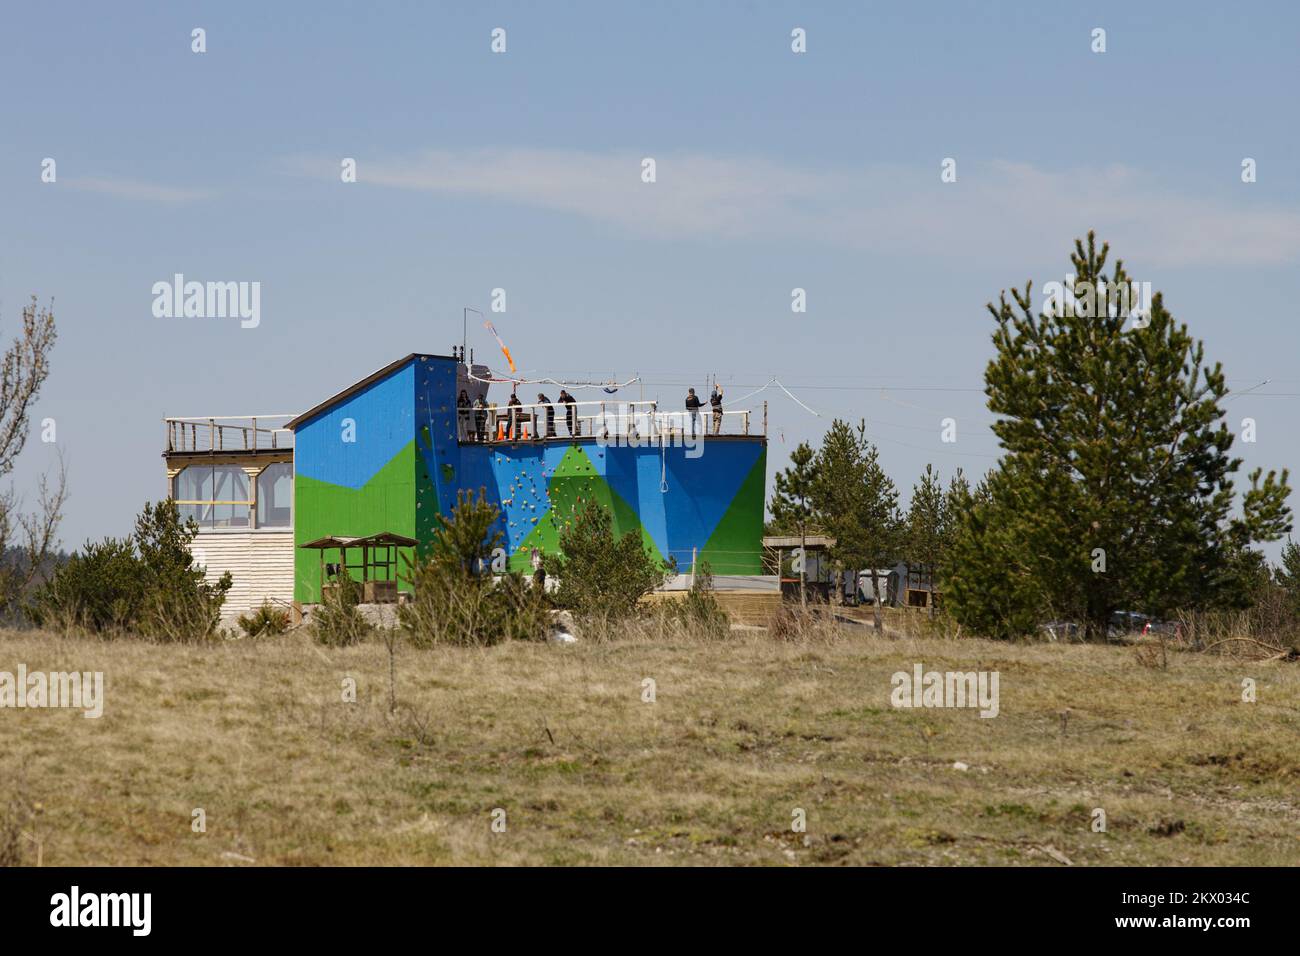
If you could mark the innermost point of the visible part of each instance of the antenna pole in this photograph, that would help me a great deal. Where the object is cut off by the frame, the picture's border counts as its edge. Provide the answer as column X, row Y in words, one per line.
column 464, row 328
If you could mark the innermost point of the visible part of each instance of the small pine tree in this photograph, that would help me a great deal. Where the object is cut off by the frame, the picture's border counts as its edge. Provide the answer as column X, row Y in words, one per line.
column 791, row 507
column 1287, row 575
column 927, row 522
column 456, row 599
column 855, row 502
column 602, row 574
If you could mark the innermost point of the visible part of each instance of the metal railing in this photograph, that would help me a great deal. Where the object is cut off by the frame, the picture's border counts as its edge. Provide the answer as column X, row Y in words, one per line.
column 560, row 420
column 228, row 433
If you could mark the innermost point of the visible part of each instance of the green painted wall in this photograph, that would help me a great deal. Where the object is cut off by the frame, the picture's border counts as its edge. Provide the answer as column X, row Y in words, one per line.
column 384, row 503
column 731, row 548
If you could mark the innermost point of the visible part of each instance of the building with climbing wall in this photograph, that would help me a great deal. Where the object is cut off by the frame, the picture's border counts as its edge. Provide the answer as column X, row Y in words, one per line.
column 391, row 452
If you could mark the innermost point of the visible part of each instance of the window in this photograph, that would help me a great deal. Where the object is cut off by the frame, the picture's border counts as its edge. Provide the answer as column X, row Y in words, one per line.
column 275, row 496
column 218, row 496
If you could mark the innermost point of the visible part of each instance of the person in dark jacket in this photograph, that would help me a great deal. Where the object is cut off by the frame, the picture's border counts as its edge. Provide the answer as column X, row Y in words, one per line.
column 716, row 401
column 480, row 418
column 462, row 414
column 570, row 412
column 693, row 406
column 550, row 414
column 515, row 417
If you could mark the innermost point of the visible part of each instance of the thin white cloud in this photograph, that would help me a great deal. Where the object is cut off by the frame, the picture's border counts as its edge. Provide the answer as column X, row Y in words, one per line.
column 136, row 189
column 993, row 209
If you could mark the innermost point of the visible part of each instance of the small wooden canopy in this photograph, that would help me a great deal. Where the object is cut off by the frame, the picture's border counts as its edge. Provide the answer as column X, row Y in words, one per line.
column 378, row 557
column 382, row 539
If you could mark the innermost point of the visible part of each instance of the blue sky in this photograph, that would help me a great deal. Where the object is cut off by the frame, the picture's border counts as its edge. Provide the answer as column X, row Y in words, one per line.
column 521, row 171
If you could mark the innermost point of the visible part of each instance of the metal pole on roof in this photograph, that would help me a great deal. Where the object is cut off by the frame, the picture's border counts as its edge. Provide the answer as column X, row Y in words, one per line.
column 464, row 328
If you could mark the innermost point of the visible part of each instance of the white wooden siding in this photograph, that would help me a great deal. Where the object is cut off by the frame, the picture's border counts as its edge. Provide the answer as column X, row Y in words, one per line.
column 259, row 562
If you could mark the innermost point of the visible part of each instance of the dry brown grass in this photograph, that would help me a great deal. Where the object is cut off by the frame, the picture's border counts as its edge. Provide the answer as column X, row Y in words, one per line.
column 741, row 733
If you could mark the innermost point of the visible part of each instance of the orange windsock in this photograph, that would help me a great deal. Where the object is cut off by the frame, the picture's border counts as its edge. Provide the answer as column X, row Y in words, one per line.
column 504, row 351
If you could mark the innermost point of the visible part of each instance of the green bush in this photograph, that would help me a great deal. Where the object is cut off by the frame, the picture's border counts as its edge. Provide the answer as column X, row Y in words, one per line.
column 456, row 600
column 147, row 584
column 602, row 575
column 98, row 589
column 699, row 612
column 338, row 622
column 267, row 621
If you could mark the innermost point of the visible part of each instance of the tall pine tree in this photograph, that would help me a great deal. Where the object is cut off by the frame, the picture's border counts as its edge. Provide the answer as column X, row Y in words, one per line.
column 856, row 503
column 791, row 506
column 1115, row 490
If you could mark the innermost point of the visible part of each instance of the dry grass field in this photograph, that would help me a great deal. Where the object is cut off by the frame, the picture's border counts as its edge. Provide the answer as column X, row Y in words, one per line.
column 740, row 734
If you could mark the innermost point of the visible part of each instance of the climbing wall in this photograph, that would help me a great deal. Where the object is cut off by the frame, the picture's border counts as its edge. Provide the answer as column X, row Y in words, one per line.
column 710, row 506
column 388, row 458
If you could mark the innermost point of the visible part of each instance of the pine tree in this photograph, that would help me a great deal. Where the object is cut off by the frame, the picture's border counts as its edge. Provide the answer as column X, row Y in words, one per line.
column 856, row 502
column 791, row 508
column 1115, row 489
column 927, row 521
column 1287, row 576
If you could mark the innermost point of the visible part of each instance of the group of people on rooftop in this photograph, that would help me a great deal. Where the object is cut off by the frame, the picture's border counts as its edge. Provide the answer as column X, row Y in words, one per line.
column 473, row 416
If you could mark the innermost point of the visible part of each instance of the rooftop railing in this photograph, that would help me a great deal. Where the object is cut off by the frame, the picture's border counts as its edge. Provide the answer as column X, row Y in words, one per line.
column 643, row 420
column 228, row 433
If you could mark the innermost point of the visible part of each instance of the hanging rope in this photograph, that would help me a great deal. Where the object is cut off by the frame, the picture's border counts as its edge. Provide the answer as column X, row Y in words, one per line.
column 663, row 467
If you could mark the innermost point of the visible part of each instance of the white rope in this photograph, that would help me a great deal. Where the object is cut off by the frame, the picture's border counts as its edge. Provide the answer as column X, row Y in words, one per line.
column 795, row 400
column 610, row 387
column 663, row 467
column 777, row 383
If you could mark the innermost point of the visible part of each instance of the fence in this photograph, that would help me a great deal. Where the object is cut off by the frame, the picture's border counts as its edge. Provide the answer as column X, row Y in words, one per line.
column 641, row 420
column 228, row 433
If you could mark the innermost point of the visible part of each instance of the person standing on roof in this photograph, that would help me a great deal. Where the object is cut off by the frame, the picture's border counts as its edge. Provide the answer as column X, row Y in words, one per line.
column 462, row 414
column 693, row 406
column 515, row 416
column 570, row 411
column 716, row 401
column 480, row 418
column 550, row 414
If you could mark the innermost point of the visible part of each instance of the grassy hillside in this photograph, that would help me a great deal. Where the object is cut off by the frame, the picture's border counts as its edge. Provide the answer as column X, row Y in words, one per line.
column 739, row 736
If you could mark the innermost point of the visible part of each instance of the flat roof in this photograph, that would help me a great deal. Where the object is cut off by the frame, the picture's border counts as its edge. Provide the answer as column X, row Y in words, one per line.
column 381, row 539
column 793, row 541
column 358, row 386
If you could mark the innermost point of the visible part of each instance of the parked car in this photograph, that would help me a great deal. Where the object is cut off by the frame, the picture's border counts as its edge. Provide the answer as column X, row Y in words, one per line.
column 1127, row 622
column 1172, row 630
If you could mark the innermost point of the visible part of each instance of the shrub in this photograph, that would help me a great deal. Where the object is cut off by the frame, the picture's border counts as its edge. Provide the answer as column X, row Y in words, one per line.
column 146, row 584
column 699, row 612
column 267, row 621
column 455, row 600
column 338, row 622
column 99, row 589
column 601, row 574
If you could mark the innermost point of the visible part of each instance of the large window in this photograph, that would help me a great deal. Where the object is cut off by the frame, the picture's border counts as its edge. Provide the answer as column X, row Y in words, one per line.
column 275, row 496
column 217, row 496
